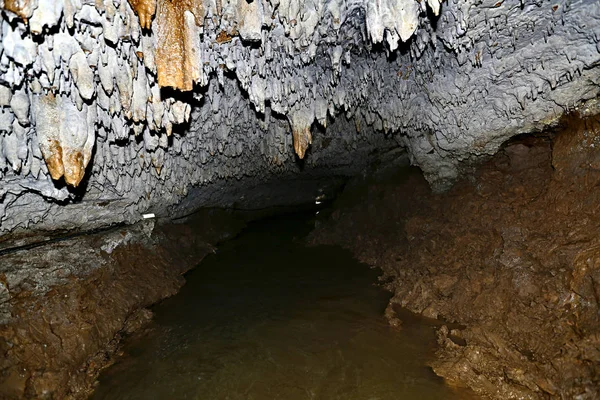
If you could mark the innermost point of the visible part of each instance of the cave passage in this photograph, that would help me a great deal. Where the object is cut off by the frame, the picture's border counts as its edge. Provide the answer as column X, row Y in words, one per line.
column 269, row 317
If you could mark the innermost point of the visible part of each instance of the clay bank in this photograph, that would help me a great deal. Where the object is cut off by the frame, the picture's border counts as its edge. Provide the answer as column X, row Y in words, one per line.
column 137, row 136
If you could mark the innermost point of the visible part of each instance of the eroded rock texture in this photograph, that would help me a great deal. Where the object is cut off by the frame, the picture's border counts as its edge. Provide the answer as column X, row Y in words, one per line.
column 511, row 254
column 92, row 91
column 64, row 306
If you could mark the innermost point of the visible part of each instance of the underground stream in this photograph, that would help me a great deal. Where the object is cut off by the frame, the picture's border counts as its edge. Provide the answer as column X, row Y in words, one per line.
column 125, row 123
column 269, row 317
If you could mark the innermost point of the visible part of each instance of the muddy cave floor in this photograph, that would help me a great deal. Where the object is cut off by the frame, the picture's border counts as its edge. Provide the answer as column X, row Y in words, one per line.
column 507, row 262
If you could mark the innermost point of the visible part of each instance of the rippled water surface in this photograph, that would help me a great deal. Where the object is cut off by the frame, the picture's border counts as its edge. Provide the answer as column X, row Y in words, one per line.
column 269, row 318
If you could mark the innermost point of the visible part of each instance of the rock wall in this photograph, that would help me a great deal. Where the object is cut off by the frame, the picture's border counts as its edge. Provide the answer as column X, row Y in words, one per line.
column 510, row 256
column 110, row 108
column 65, row 305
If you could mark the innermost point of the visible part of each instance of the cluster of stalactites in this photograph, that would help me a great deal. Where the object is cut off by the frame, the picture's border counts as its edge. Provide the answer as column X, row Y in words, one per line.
column 179, row 23
column 102, row 68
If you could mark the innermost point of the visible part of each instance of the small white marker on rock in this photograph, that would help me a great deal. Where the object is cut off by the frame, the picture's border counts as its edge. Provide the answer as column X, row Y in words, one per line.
column 148, row 216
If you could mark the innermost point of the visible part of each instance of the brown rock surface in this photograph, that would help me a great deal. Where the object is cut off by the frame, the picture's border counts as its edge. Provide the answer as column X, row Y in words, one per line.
column 20, row 7
column 57, row 337
column 512, row 254
column 302, row 139
column 177, row 61
column 145, row 10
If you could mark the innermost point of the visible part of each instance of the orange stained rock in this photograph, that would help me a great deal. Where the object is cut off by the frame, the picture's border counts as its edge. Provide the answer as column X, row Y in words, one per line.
column 20, row 7
column 177, row 63
column 64, row 163
column 224, row 37
column 53, row 157
column 302, row 139
column 74, row 167
column 64, row 157
column 145, row 10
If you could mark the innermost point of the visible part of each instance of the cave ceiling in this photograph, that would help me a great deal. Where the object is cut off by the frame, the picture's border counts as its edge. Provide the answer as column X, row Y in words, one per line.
column 110, row 108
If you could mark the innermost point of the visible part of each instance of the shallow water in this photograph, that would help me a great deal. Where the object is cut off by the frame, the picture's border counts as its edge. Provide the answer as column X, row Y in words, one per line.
column 270, row 318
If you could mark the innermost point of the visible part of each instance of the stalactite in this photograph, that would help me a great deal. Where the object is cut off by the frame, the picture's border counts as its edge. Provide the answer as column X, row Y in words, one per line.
column 129, row 73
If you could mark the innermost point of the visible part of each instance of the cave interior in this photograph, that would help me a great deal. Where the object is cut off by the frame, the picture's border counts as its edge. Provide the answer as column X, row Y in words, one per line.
column 452, row 145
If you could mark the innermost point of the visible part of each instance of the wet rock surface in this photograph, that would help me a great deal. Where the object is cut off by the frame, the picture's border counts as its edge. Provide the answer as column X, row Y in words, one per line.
column 65, row 305
column 512, row 254
column 112, row 109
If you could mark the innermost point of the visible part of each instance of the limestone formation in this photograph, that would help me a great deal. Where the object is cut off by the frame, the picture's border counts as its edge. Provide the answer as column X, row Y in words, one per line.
column 145, row 10
column 143, row 100
column 112, row 110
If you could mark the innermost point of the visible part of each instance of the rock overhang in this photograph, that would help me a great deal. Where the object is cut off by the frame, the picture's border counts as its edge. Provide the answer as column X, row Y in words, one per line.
column 83, row 90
